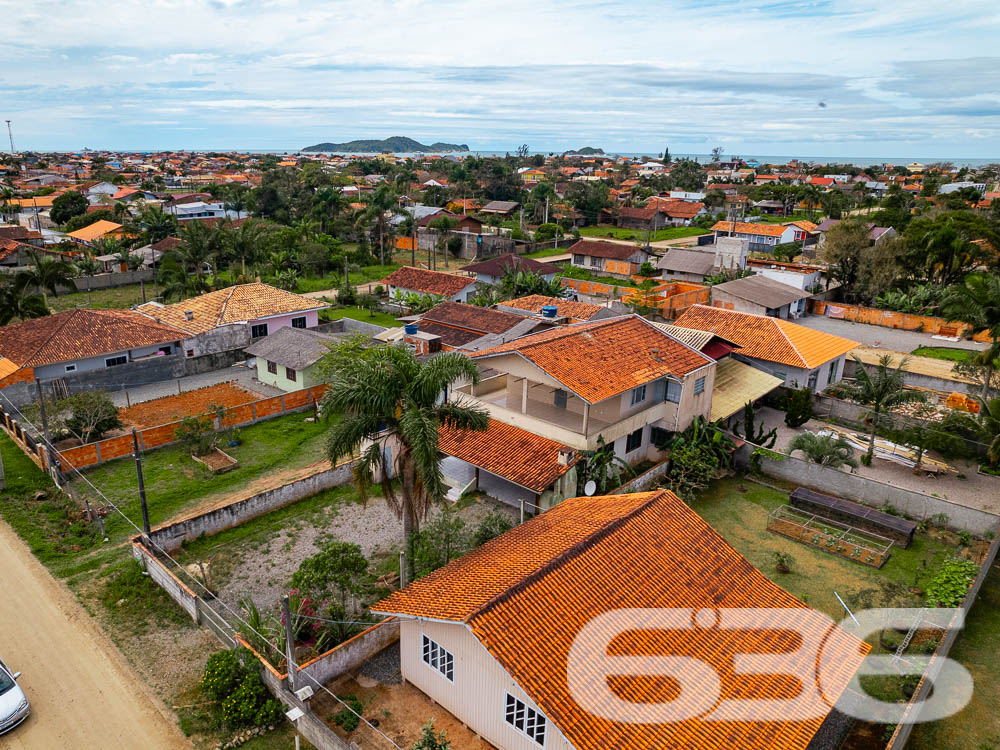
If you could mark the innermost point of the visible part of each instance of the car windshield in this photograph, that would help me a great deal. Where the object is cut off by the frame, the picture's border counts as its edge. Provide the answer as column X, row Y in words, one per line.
column 6, row 683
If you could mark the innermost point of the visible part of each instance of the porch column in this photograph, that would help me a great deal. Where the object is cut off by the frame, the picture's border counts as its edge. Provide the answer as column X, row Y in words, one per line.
column 472, row 389
column 524, row 396
column 586, row 417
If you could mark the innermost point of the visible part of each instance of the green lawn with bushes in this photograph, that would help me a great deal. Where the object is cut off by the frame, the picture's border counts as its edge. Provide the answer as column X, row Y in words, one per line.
column 950, row 353
column 620, row 233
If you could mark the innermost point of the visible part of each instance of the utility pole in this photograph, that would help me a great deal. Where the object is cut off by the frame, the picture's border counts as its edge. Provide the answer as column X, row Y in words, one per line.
column 142, row 485
column 286, row 610
column 49, row 462
column 10, row 134
column 402, row 569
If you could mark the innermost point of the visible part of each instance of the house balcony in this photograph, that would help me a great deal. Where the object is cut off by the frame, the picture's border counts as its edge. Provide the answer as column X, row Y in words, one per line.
column 532, row 406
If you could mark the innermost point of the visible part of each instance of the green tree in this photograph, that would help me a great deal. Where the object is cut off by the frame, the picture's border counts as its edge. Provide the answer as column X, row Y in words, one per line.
column 392, row 410
column 602, row 466
column 442, row 225
column 47, row 274
column 589, row 198
column 156, row 224
column 976, row 301
column 825, row 450
column 430, row 740
column 755, row 433
column 984, row 427
column 881, row 391
column 338, row 568
column 85, row 220
column 66, row 206
column 16, row 303
column 799, row 407
column 381, row 205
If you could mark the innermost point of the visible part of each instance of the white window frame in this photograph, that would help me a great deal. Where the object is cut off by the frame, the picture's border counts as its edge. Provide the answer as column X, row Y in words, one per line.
column 69, row 368
column 638, row 395
column 532, row 721
column 114, row 359
column 437, row 658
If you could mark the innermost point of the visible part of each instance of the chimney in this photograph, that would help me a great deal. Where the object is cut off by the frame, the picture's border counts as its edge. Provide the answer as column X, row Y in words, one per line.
column 655, row 354
column 566, row 454
column 189, row 315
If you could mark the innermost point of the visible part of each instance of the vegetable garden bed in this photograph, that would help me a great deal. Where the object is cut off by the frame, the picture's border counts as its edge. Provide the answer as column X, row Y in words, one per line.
column 217, row 461
column 837, row 538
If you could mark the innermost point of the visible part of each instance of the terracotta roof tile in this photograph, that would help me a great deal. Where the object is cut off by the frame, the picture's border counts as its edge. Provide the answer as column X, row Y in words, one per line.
column 770, row 230
column 601, row 249
column 770, row 339
column 600, row 359
column 234, row 304
column 516, row 455
column 527, row 594
column 569, row 308
column 497, row 266
column 472, row 317
column 427, row 282
column 75, row 334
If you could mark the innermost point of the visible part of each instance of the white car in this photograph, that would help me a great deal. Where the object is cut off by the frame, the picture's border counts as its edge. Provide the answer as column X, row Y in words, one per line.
column 13, row 704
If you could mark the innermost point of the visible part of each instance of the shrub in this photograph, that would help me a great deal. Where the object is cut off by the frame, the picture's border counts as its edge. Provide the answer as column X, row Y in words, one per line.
column 247, row 702
column 223, row 674
column 949, row 586
column 799, row 408
column 493, row 525
column 349, row 718
column 197, row 435
column 430, row 740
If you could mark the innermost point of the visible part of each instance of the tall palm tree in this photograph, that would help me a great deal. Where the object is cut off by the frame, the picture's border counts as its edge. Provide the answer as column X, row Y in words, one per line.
column 47, row 273
column 881, row 391
column 382, row 204
column 825, row 450
column 391, row 406
column 156, row 223
column 329, row 204
column 199, row 243
column 17, row 304
column 976, row 301
column 243, row 242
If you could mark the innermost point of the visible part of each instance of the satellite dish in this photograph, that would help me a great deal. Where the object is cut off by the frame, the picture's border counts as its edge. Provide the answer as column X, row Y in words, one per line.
column 590, row 488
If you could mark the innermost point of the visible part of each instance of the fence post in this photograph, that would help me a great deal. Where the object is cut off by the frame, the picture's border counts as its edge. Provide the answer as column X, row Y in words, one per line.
column 282, row 403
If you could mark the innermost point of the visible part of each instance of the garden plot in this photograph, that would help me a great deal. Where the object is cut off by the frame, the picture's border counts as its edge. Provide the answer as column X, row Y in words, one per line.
column 188, row 404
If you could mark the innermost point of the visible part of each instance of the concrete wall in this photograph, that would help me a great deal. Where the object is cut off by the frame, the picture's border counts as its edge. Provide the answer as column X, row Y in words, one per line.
column 170, row 537
column 166, row 580
column 221, row 339
column 351, row 654
column 213, row 362
column 120, row 377
column 924, row 381
column 873, row 493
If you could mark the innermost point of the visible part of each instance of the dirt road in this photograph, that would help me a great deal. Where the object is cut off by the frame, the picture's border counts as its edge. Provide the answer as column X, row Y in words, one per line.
column 83, row 694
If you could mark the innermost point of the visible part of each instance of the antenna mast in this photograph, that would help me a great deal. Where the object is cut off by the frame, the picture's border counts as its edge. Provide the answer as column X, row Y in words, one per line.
column 11, row 135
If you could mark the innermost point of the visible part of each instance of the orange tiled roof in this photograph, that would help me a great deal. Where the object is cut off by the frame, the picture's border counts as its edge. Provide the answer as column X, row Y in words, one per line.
column 427, row 282
column 770, row 230
column 516, row 455
column 479, row 319
column 806, row 225
column 527, row 594
column 94, row 231
column 75, row 334
column 535, row 302
column 234, row 304
column 770, row 339
column 600, row 359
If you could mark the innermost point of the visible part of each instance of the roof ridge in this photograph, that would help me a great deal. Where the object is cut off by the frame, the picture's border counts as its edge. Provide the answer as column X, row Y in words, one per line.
column 225, row 303
column 795, row 349
column 567, row 554
column 52, row 335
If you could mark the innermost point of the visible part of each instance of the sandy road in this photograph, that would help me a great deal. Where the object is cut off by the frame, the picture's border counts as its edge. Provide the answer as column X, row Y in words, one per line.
column 83, row 693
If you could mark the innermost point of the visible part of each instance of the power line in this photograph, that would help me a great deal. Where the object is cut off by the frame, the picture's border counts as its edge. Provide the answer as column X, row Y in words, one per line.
column 163, row 553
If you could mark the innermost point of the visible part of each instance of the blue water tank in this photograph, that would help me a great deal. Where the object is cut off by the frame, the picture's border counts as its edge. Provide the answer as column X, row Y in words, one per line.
column 410, row 328
column 549, row 311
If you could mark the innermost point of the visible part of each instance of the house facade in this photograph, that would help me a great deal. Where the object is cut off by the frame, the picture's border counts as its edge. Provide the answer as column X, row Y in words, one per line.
column 760, row 295
column 610, row 258
column 420, row 281
column 622, row 381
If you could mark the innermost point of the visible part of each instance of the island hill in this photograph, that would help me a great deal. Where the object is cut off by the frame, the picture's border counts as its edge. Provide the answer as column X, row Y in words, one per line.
column 397, row 145
column 586, row 151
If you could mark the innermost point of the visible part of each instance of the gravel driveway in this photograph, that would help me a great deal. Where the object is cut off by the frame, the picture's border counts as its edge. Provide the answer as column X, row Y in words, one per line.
column 886, row 338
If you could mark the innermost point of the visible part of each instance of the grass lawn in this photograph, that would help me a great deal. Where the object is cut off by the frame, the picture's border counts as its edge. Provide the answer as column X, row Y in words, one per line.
column 619, row 233
column 978, row 724
column 549, row 252
column 119, row 298
column 741, row 518
column 949, row 353
column 379, row 318
column 800, row 216
column 174, row 481
column 582, row 274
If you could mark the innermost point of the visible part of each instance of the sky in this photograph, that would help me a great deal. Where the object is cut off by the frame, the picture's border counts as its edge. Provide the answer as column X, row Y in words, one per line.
column 823, row 78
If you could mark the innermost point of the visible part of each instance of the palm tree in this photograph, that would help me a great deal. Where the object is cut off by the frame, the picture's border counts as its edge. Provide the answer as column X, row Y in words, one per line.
column 382, row 204
column 976, row 301
column 825, row 450
column 157, row 224
column 881, row 390
column 329, row 204
column 198, row 246
column 47, row 273
column 15, row 304
column 392, row 409
column 244, row 241
column 810, row 195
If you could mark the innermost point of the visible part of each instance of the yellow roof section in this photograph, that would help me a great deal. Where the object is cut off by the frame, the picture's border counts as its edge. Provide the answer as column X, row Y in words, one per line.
column 737, row 383
column 7, row 367
column 95, row 230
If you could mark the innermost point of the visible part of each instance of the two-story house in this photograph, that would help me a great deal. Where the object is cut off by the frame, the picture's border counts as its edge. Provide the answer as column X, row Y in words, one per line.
column 608, row 258
column 622, row 379
column 515, row 638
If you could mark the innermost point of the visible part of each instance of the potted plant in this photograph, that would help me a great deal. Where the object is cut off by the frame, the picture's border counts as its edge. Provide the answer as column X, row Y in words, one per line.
column 782, row 562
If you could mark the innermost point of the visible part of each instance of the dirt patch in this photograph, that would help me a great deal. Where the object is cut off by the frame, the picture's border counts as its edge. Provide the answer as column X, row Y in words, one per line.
column 399, row 711
column 217, row 461
column 188, row 404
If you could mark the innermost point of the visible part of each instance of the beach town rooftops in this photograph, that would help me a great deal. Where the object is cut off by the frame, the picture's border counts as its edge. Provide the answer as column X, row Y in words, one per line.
column 766, row 338
column 234, row 304
column 78, row 334
column 589, row 556
column 600, row 359
column 421, row 280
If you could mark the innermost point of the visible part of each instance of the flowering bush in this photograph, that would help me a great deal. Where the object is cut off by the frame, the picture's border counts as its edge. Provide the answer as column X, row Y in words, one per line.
column 223, row 674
